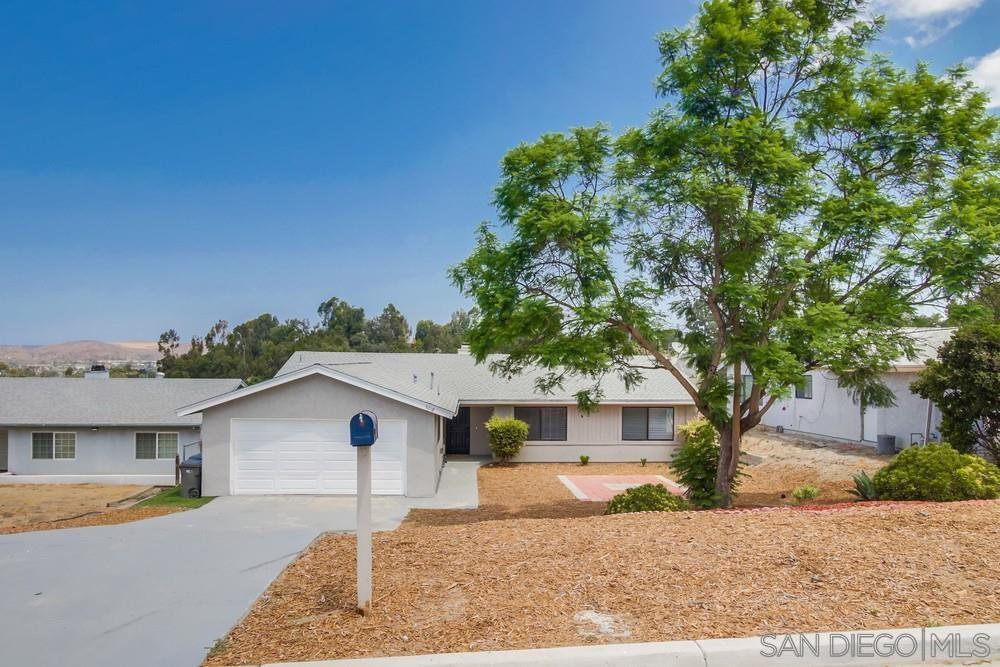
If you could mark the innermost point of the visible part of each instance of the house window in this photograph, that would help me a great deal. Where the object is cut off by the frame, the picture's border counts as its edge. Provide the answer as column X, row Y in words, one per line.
column 746, row 386
column 543, row 423
column 647, row 423
column 155, row 445
column 804, row 389
column 53, row 446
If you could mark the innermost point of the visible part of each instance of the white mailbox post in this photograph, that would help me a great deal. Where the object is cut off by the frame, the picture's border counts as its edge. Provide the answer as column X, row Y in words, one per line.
column 364, row 433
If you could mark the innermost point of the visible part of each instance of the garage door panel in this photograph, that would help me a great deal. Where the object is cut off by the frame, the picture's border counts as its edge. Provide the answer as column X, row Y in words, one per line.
column 278, row 456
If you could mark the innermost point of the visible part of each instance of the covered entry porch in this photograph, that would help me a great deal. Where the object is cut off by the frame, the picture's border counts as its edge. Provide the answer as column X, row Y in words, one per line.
column 466, row 435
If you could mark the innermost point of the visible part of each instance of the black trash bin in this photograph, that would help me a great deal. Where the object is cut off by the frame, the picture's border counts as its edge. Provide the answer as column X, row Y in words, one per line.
column 885, row 444
column 191, row 477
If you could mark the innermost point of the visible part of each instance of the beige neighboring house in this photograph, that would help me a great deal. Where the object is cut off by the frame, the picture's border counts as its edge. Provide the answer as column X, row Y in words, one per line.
column 98, row 429
column 289, row 434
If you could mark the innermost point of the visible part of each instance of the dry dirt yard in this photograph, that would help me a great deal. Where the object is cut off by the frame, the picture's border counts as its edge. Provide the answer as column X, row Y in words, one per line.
column 789, row 461
column 26, row 507
column 534, row 567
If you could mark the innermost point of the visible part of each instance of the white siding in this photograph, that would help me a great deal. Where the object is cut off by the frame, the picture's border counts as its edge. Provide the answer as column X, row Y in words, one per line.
column 832, row 414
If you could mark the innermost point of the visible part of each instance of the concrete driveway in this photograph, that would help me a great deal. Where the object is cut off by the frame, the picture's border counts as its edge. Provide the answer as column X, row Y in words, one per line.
column 161, row 591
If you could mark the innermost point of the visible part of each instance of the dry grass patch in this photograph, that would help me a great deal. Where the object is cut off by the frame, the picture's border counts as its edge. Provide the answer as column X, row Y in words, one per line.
column 109, row 517
column 522, row 583
column 24, row 505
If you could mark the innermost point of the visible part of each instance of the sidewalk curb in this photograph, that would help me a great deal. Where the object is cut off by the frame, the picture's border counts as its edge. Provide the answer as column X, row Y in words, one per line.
column 956, row 644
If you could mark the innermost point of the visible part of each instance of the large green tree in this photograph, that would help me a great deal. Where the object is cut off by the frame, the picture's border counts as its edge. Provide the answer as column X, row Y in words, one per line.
column 794, row 198
column 964, row 382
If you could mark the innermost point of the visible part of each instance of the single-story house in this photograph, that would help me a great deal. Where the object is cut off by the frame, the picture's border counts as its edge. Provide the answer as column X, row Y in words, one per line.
column 289, row 434
column 99, row 429
column 817, row 406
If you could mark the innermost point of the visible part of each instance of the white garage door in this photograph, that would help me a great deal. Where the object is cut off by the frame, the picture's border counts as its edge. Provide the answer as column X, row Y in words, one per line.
column 283, row 456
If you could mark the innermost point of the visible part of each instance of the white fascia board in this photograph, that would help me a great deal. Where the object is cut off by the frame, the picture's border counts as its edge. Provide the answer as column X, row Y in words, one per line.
column 315, row 369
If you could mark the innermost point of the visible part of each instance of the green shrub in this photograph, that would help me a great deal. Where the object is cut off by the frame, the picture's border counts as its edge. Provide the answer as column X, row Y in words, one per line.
column 584, row 459
column 939, row 473
column 864, row 487
column 696, row 462
column 642, row 462
column 645, row 498
column 507, row 436
column 805, row 492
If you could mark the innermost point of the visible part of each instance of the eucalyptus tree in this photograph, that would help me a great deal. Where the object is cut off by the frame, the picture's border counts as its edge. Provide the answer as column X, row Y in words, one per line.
column 794, row 199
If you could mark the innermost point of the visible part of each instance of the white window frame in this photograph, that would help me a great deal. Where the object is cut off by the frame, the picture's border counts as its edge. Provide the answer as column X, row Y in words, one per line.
column 53, row 457
column 135, row 445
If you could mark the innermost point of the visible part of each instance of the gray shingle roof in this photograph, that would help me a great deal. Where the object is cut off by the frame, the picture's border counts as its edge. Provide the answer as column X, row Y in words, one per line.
column 103, row 402
column 446, row 378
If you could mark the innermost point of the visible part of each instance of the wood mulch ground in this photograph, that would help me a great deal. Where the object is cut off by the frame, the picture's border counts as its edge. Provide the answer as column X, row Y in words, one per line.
column 523, row 583
column 29, row 507
column 535, row 567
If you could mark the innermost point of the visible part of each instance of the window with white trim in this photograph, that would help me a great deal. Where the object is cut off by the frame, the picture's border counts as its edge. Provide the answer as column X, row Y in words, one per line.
column 647, row 423
column 156, row 445
column 49, row 445
column 543, row 423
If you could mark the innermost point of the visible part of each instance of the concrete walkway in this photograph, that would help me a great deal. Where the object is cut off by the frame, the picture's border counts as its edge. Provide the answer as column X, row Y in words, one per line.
column 161, row 591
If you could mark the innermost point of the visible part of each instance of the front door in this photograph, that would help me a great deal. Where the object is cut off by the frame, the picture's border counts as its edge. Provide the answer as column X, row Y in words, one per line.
column 457, row 433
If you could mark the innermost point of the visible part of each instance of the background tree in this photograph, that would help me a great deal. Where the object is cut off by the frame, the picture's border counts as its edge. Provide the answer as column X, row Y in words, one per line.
column 448, row 337
column 389, row 332
column 342, row 320
column 795, row 199
column 256, row 349
column 964, row 382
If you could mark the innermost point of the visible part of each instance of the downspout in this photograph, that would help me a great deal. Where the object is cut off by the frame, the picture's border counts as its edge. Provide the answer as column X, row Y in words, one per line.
column 927, row 423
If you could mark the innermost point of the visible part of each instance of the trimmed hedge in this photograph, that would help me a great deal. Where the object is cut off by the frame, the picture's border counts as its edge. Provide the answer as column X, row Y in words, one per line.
column 938, row 473
column 507, row 436
column 645, row 498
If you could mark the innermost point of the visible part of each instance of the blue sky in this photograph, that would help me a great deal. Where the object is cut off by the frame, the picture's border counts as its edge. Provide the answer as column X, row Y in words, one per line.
column 169, row 164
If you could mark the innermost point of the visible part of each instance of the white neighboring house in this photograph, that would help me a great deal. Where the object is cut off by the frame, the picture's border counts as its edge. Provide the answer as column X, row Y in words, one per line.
column 819, row 407
column 99, row 429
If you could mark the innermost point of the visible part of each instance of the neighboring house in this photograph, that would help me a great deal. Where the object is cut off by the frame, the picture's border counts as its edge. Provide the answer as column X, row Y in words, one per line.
column 99, row 429
column 819, row 407
column 289, row 434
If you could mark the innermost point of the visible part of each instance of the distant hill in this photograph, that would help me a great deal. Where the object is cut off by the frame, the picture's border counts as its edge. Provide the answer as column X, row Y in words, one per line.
column 80, row 352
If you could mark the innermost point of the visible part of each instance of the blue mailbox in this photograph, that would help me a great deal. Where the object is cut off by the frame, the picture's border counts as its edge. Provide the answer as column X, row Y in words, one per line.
column 364, row 429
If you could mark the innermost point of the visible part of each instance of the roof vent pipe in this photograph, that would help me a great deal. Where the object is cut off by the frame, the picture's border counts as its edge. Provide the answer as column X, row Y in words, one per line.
column 432, row 379
column 414, row 378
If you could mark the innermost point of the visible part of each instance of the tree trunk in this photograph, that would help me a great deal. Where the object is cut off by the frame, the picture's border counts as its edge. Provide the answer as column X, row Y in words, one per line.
column 729, row 443
column 729, row 456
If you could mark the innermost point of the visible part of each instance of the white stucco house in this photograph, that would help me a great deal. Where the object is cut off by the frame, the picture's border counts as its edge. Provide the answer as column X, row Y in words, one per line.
column 98, row 429
column 289, row 434
column 819, row 407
